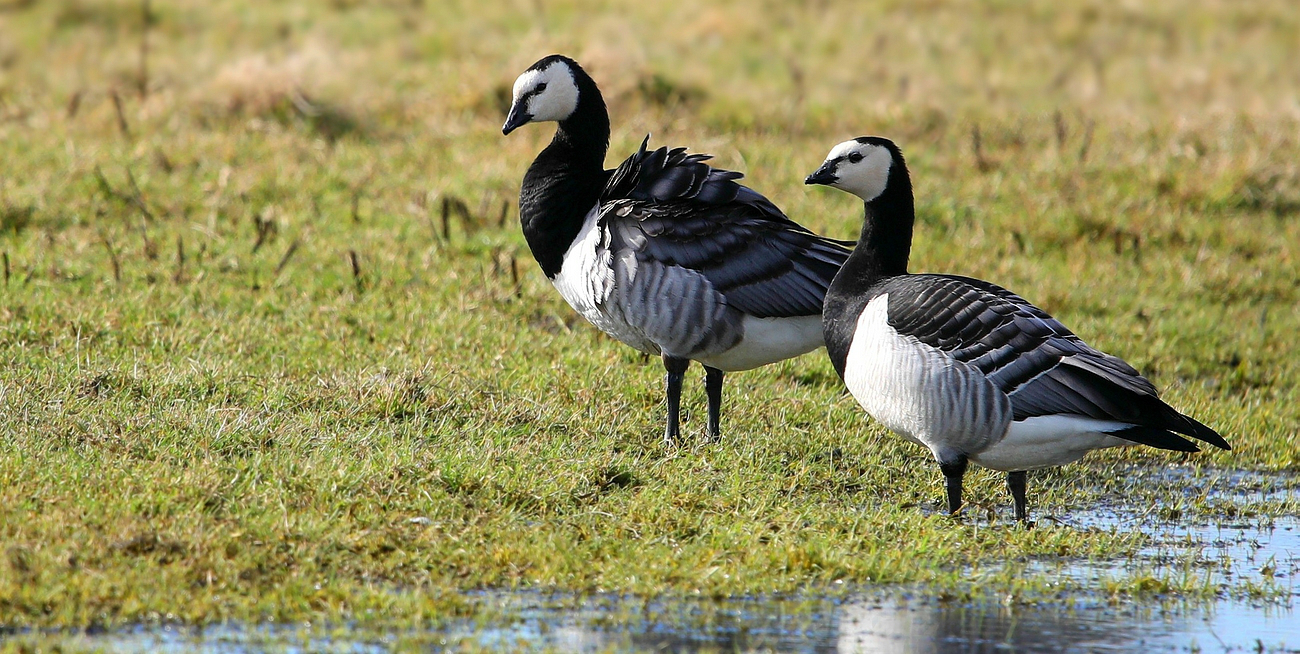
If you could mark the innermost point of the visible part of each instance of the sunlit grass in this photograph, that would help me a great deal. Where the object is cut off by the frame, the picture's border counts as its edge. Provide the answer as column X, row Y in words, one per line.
column 267, row 350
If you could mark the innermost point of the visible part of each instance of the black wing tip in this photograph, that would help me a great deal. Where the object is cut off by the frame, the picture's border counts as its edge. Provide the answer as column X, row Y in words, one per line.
column 1166, row 436
column 1159, row 415
column 1156, row 437
column 1194, row 428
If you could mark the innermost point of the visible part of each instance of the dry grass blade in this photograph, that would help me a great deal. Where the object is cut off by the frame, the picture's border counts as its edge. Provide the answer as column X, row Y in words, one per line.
column 446, row 218
column 264, row 228
column 468, row 223
column 1087, row 141
column 74, row 104
column 514, row 277
column 150, row 246
column 121, row 113
column 112, row 257
column 142, row 74
column 179, row 275
column 288, row 254
column 137, row 196
column 134, row 198
column 164, row 161
column 977, row 147
column 355, row 264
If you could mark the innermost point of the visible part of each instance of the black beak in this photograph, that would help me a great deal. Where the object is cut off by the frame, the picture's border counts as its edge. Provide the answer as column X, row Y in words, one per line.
column 824, row 175
column 518, row 117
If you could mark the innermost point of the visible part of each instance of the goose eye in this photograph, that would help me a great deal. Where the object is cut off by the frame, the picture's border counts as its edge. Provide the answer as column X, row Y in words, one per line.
column 855, row 157
column 540, row 87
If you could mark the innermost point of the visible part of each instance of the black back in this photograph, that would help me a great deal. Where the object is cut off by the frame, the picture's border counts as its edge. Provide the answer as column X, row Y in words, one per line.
column 672, row 208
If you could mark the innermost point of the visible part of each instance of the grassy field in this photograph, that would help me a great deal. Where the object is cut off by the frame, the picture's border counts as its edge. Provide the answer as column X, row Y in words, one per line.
column 272, row 347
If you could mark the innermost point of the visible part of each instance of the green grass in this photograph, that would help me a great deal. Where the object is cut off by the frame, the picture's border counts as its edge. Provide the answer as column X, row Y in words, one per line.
column 208, row 412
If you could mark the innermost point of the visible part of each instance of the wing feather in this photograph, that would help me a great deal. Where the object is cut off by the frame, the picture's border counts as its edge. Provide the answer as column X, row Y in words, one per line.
column 671, row 208
column 1043, row 367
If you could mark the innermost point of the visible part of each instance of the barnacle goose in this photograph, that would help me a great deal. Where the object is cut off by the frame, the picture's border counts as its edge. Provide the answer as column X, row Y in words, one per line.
column 965, row 368
column 664, row 253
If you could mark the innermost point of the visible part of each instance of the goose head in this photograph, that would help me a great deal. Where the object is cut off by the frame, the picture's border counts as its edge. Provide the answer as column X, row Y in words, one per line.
column 548, row 90
column 865, row 166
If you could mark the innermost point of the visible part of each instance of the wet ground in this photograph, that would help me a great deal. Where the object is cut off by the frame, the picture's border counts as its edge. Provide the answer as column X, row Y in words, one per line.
column 598, row 624
column 1234, row 533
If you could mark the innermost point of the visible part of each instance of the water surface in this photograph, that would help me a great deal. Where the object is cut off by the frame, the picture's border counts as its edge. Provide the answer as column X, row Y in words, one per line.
column 1247, row 560
column 901, row 624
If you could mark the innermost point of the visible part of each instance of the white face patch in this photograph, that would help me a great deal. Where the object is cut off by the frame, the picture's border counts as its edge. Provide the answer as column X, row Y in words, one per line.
column 556, row 101
column 866, row 177
column 843, row 149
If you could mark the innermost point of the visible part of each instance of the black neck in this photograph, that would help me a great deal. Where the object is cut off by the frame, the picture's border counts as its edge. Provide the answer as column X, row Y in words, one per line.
column 881, row 254
column 886, row 239
column 564, row 182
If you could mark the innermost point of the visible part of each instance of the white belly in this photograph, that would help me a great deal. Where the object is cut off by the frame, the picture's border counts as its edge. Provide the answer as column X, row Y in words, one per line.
column 1048, row 441
column 768, row 340
column 919, row 392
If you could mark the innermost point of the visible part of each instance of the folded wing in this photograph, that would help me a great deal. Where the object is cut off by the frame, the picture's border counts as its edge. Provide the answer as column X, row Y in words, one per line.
column 1043, row 367
column 671, row 208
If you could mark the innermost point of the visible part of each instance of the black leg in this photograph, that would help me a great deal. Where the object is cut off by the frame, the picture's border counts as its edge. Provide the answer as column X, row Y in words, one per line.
column 676, row 371
column 1016, row 483
column 952, row 473
column 713, row 387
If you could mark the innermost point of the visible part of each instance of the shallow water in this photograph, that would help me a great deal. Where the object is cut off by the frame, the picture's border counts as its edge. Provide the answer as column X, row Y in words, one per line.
column 1249, row 561
column 1229, row 551
column 610, row 623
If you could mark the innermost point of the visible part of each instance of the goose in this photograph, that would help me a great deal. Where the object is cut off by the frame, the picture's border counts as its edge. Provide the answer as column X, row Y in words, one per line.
column 664, row 253
column 963, row 367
